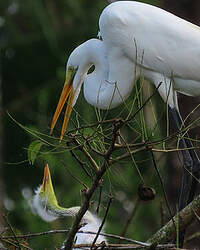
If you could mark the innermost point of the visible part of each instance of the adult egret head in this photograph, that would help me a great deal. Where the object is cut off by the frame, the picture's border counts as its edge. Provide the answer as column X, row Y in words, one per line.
column 81, row 59
column 46, row 205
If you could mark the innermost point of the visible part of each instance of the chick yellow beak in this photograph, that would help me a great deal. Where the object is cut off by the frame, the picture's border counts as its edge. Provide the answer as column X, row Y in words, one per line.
column 47, row 190
column 67, row 93
column 47, row 183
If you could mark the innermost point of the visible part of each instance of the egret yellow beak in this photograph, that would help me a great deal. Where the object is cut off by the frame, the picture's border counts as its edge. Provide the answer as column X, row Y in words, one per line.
column 67, row 93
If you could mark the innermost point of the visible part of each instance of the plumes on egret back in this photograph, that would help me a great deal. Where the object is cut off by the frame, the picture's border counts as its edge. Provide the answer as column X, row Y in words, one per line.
column 46, row 205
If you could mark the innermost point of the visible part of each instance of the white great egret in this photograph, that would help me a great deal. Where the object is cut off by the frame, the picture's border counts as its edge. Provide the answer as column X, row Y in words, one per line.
column 46, row 206
column 138, row 39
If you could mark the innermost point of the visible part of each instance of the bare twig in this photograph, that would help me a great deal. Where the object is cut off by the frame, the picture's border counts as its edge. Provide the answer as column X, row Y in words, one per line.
column 127, row 247
column 82, row 164
column 12, row 244
column 128, row 154
column 11, row 229
column 90, row 147
column 91, row 160
column 65, row 231
column 163, row 189
column 103, row 222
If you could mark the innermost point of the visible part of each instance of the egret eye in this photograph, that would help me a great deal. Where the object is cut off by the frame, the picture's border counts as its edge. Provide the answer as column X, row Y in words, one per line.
column 70, row 68
column 91, row 69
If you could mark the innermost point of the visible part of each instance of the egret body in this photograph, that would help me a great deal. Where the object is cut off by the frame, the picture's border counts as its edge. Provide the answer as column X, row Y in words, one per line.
column 46, row 206
column 138, row 39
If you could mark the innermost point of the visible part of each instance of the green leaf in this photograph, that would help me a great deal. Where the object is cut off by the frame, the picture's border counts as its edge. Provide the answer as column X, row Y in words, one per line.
column 33, row 150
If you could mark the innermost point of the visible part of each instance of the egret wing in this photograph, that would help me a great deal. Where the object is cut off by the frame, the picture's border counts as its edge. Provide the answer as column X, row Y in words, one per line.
column 152, row 37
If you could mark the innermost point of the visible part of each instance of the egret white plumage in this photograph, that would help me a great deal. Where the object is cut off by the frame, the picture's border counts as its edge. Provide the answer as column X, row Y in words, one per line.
column 46, row 206
column 137, row 39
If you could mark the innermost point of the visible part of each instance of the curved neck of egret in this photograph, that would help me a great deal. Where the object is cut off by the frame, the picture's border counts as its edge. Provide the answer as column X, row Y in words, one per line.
column 108, row 85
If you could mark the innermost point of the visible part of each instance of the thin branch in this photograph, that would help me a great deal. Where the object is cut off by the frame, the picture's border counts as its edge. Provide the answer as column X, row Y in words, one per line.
column 173, row 149
column 8, row 242
column 91, row 160
column 127, row 247
column 65, row 231
column 128, row 154
column 9, row 225
column 163, row 189
column 82, row 164
column 14, row 244
column 33, row 235
column 138, row 244
column 102, row 223
column 90, row 147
